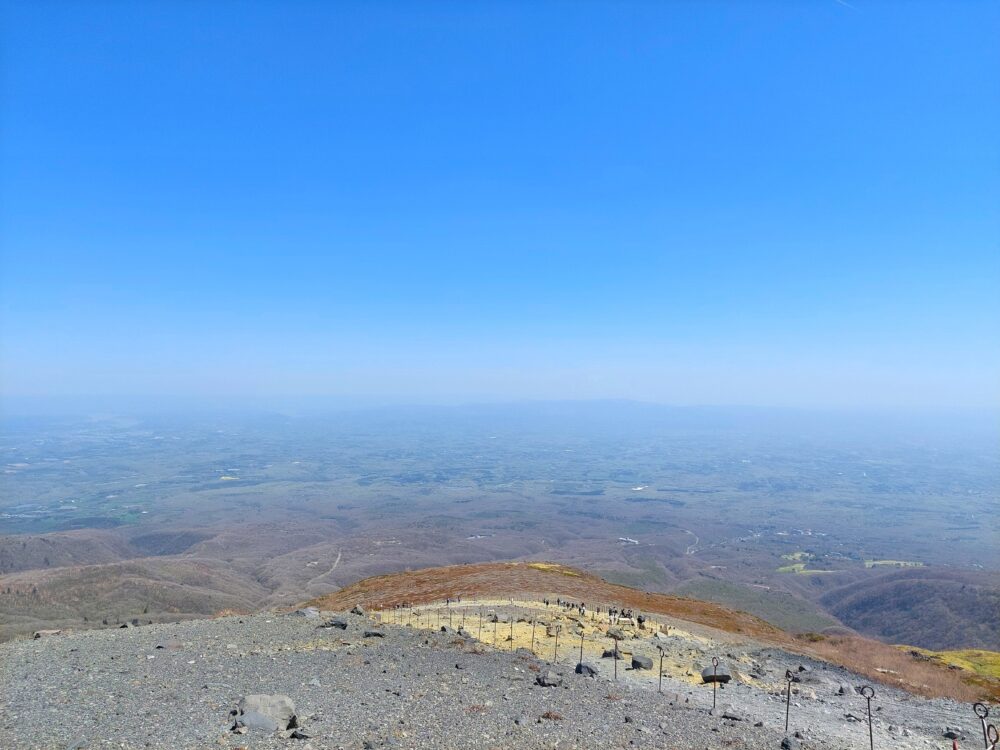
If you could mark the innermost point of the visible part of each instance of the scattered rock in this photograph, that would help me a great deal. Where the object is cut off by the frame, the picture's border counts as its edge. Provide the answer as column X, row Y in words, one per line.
column 310, row 612
column 334, row 622
column 45, row 633
column 642, row 662
column 789, row 743
column 255, row 720
column 374, row 634
column 587, row 670
column 269, row 712
column 358, row 610
column 716, row 674
column 548, row 678
column 726, row 711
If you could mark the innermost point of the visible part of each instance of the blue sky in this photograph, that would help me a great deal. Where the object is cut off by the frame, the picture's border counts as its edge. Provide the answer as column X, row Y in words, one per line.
column 788, row 203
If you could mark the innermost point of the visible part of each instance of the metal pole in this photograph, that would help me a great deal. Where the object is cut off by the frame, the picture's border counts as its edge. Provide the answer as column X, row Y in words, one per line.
column 983, row 713
column 555, row 654
column 868, row 692
column 659, row 686
column 532, row 635
column 788, row 696
column 715, row 678
column 480, row 624
column 581, row 647
column 512, row 632
column 615, row 659
column 496, row 623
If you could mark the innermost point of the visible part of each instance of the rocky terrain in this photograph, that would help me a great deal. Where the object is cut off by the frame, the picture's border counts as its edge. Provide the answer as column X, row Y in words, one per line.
column 442, row 675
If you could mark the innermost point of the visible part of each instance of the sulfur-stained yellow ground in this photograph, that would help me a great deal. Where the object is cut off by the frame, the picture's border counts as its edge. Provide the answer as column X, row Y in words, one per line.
column 680, row 653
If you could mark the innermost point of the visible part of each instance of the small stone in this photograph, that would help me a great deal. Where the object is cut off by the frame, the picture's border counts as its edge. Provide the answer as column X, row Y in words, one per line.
column 334, row 622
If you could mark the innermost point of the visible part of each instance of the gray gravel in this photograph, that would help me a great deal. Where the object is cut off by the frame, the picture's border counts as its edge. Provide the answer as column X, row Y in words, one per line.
column 173, row 686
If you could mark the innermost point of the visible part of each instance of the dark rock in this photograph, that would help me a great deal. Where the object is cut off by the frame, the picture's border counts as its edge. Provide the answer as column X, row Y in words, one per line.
column 586, row 669
column 610, row 653
column 716, row 674
column 358, row 610
column 374, row 634
column 642, row 662
column 334, row 622
column 549, row 678
column 310, row 612
column 789, row 743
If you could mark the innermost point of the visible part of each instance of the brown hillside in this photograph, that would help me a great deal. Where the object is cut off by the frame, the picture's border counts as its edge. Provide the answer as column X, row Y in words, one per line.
column 536, row 580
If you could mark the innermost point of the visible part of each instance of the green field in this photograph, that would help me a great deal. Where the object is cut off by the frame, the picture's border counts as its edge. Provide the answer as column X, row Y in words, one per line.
column 892, row 564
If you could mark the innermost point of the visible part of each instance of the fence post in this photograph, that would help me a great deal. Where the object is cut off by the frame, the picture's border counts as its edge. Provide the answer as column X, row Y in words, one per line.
column 868, row 692
column 788, row 696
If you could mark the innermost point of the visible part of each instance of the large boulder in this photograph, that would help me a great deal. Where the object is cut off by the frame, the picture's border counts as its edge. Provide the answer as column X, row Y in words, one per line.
column 587, row 670
column 716, row 674
column 268, row 712
column 641, row 662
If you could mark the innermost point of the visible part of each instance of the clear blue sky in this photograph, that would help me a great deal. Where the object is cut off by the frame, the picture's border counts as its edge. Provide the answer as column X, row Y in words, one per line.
column 791, row 203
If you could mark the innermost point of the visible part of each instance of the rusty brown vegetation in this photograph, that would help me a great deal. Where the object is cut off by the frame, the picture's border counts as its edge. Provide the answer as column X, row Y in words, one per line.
column 878, row 661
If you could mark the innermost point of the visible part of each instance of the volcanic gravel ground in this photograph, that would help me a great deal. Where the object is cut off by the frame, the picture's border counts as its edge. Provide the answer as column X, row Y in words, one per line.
column 173, row 686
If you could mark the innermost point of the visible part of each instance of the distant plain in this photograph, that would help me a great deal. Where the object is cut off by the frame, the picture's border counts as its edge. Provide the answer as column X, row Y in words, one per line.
column 812, row 521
